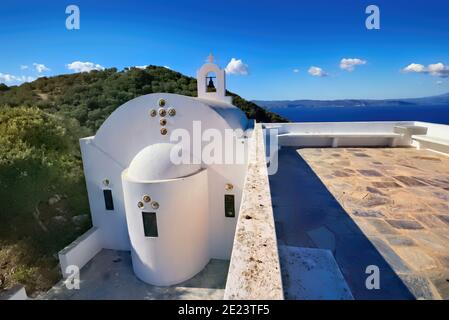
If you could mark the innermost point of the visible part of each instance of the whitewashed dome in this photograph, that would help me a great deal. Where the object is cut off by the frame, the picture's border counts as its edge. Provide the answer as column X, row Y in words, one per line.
column 154, row 163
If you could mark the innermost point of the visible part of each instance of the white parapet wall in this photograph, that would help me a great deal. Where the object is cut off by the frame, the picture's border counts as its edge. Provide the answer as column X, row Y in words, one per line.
column 80, row 251
column 254, row 271
column 423, row 135
column 435, row 130
column 341, row 134
column 15, row 293
column 435, row 139
column 337, row 127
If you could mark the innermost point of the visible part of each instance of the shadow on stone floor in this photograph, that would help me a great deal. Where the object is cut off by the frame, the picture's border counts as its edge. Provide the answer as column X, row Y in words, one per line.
column 307, row 215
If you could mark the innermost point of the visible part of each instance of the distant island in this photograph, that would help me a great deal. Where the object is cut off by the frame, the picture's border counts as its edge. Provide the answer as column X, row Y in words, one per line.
column 429, row 109
column 428, row 101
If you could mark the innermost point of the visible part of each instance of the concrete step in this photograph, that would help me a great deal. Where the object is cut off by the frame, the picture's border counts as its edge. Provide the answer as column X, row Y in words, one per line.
column 311, row 274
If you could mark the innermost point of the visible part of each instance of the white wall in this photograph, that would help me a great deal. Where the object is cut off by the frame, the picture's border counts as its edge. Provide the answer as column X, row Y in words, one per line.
column 81, row 251
column 98, row 167
column 350, row 128
column 181, row 249
column 222, row 228
column 16, row 293
column 440, row 131
column 338, row 127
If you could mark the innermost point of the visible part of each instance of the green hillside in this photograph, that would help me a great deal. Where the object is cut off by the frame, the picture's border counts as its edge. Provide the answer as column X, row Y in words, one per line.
column 91, row 97
column 43, row 200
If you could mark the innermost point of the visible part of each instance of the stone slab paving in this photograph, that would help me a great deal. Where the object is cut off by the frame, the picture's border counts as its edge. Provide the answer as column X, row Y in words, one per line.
column 109, row 275
column 399, row 200
column 307, row 215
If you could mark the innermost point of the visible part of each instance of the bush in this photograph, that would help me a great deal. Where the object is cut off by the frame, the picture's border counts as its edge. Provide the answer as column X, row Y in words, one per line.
column 39, row 157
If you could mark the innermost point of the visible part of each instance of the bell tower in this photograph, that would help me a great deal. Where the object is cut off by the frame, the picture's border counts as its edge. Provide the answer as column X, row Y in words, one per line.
column 211, row 82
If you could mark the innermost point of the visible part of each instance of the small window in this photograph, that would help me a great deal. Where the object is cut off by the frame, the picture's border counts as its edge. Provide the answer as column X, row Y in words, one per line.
column 229, row 206
column 108, row 203
column 149, row 224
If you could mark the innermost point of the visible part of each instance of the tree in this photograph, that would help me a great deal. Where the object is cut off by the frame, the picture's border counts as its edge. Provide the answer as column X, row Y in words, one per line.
column 101, row 92
column 3, row 87
column 39, row 159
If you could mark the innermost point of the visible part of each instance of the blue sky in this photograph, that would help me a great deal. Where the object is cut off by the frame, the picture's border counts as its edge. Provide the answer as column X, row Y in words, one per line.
column 273, row 38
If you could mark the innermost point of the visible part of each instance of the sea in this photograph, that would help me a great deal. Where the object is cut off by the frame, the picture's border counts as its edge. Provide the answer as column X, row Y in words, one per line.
column 434, row 114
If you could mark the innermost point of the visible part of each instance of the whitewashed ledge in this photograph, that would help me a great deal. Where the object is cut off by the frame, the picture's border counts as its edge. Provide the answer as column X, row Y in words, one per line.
column 254, row 271
column 15, row 293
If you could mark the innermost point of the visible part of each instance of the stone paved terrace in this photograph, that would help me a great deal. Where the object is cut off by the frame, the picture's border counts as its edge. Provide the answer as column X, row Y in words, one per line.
column 369, row 206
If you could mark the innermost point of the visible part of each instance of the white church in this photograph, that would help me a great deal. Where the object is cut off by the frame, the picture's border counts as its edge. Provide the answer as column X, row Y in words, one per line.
column 177, row 218
column 173, row 218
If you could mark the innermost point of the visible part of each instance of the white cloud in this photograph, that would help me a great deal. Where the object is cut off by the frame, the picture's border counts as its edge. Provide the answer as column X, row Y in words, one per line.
column 23, row 67
column 9, row 78
column 349, row 64
column 40, row 67
column 317, row 72
column 295, row 70
column 436, row 69
column 237, row 67
column 167, row 67
column 6, row 78
column 414, row 67
column 79, row 66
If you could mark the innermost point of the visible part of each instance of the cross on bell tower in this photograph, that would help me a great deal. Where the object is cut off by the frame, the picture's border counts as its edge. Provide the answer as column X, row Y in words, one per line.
column 210, row 58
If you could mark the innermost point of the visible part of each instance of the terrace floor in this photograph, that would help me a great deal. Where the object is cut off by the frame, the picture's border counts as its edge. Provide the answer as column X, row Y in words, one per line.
column 387, row 207
column 109, row 275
